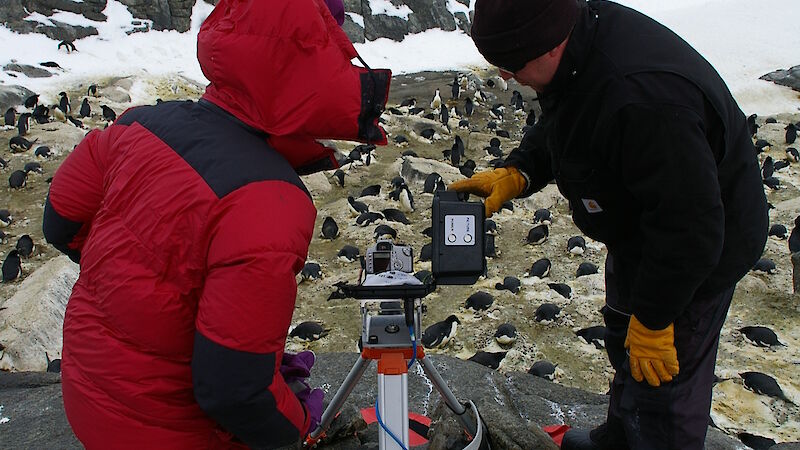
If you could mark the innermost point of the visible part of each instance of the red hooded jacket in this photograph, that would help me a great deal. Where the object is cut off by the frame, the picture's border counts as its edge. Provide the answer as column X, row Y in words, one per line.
column 190, row 223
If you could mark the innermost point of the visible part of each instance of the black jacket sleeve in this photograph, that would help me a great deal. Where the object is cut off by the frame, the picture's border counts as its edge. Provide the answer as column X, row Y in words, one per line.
column 232, row 387
column 668, row 166
column 533, row 159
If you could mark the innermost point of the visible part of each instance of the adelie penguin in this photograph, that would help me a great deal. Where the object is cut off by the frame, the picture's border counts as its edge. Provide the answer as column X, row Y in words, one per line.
column 33, row 167
column 23, row 124
column 546, row 311
column 92, row 91
column 18, row 179
column 12, row 267
column 479, row 301
column 10, row 117
column 311, row 271
column 586, row 268
column 348, row 253
column 25, row 246
column 43, row 152
column 765, row 265
column 5, row 218
column 764, row 384
column 384, row 231
column 511, row 284
column 791, row 133
column 108, row 113
column 761, row 336
column 330, row 230
column 595, row 335
column 506, row 334
column 85, row 110
column 562, row 289
column 31, row 101
column 794, row 237
column 309, row 331
column 439, row 334
column 491, row 360
column 433, row 182
column 543, row 369
column 538, row 234
column 63, row 103
column 68, row 46
column 540, row 268
column 576, row 245
column 542, row 216
column 779, row 231
column 395, row 215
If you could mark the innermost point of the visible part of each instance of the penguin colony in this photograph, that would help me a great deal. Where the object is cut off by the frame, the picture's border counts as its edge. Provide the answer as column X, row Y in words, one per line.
column 544, row 283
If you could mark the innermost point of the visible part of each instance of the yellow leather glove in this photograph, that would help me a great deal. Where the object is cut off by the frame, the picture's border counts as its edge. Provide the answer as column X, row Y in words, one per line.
column 651, row 353
column 497, row 186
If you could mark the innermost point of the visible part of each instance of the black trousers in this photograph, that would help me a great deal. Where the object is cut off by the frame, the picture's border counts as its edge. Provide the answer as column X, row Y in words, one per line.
column 676, row 414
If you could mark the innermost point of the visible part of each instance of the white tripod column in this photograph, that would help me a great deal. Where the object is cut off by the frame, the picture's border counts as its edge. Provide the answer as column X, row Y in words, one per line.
column 393, row 400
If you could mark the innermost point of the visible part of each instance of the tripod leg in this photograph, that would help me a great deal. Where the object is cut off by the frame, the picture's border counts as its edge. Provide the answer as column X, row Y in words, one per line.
column 458, row 409
column 339, row 398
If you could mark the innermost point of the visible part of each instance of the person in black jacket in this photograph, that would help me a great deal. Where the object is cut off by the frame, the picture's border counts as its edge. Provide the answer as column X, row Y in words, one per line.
column 646, row 142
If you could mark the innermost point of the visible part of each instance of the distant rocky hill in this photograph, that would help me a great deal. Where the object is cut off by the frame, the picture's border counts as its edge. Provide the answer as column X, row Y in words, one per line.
column 392, row 20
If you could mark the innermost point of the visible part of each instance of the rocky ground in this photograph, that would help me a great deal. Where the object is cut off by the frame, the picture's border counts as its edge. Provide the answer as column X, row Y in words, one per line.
column 760, row 299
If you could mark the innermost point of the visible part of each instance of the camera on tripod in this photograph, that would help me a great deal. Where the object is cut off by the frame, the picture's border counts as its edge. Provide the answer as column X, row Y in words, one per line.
column 385, row 255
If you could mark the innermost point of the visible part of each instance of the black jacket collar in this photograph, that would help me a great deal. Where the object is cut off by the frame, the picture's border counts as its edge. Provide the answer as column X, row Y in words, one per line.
column 577, row 52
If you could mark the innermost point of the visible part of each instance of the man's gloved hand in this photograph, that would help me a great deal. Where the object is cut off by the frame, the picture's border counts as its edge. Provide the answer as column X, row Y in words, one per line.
column 497, row 186
column 295, row 368
column 312, row 400
column 651, row 353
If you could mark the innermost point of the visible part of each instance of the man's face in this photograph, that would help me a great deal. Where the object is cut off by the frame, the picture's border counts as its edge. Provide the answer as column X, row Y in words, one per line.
column 539, row 72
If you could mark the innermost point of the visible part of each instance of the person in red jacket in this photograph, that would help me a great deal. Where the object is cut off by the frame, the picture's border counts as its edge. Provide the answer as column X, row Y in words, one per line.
column 190, row 222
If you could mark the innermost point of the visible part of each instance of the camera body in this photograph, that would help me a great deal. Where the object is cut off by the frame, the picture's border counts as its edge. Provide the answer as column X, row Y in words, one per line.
column 385, row 256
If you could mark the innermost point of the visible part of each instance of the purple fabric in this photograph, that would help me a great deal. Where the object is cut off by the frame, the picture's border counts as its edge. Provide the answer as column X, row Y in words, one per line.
column 312, row 399
column 297, row 366
column 337, row 10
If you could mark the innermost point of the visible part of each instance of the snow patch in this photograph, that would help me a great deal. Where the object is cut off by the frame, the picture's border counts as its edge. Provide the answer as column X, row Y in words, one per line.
column 387, row 8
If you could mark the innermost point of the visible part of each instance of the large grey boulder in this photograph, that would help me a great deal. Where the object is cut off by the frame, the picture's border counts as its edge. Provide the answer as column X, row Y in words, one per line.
column 31, row 323
column 415, row 170
column 28, row 70
column 13, row 96
column 785, row 77
column 429, row 14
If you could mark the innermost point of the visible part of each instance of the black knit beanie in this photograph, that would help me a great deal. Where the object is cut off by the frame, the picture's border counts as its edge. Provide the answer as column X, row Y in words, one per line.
column 509, row 33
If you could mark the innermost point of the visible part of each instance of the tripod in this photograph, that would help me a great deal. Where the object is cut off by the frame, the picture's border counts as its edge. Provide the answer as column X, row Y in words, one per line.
column 384, row 340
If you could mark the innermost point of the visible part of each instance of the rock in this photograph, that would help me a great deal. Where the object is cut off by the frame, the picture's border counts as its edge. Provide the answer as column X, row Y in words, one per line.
column 429, row 14
column 786, row 446
column 548, row 198
column 317, row 183
column 32, row 322
column 116, row 94
column 415, row 170
column 13, row 14
column 28, row 71
column 354, row 31
column 462, row 22
column 382, row 26
column 514, row 407
column 13, row 95
column 785, row 77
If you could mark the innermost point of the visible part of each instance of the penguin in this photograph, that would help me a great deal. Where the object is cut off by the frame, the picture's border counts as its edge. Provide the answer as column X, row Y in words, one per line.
column 490, row 227
column 357, row 207
column 85, row 110
column 309, row 331
column 537, row 234
column 12, row 267
column 793, row 154
column 779, row 231
column 765, row 265
column 409, row 153
column 366, row 218
column 436, row 102
column 455, row 88
column 68, row 46
column 339, row 176
column 770, row 120
column 489, row 248
column 18, row 179
column 41, row 114
column 761, row 336
column 752, row 127
column 511, row 284
column 43, row 152
column 53, row 366
column 424, row 276
column 31, row 101
column 348, row 253
column 491, row 360
column 426, row 252
column 108, row 113
column 395, row 215
column 10, row 117
column 382, row 231
column 444, row 117
column 503, row 134
column 5, row 218
column 19, row 144
column 546, row 311
column 586, row 268
column 794, row 237
column 542, row 216
column 783, row 163
column 772, row 183
column 75, row 121
column 479, row 301
column 432, row 183
column 562, row 289
column 63, row 103
column 441, row 333
column 469, row 107
column 60, row 116
column 32, row 167
column 540, row 268
column 3, row 163
column 311, row 271
column 400, row 140
column 756, row 442
column 428, row 232
column 576, row 245
column 761, row 144
column 497, row 152
column 25, row 246
column 595, row 335
column 506, row 334
column 23, row 124
column 397, row 182
column 406, row 199
column 408, row 102
column 768, row 168
column 791, row 133
column 764, row 384
column 543, row 369
column 468, row 168
column 92, row 90
column 330, row 230
column 531, row 119
column 428, row 133
column 369, row 191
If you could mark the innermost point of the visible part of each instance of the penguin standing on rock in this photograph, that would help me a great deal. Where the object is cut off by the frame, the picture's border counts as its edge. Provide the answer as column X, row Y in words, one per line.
column 108, row 113
column 24, row 124
column 63, row 103
column 10, row 117
column 12, row 267
column 439, row 334
column 86, row 110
